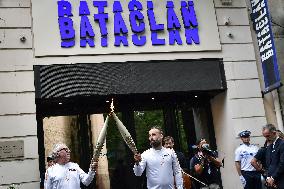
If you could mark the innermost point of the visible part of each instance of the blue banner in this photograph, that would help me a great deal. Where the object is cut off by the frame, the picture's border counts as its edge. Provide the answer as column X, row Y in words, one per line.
column 262, row 25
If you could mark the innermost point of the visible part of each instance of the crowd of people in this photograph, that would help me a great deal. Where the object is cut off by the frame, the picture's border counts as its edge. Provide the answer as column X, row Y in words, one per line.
column 261, row 166
column 166, row 168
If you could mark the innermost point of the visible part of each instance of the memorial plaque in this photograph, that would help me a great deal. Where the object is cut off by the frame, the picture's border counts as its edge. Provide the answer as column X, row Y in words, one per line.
column 11, row 149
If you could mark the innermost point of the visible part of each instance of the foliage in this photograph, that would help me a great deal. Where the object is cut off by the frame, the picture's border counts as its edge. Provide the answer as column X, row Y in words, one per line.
column 114, row 143
column 13, row 186
column 144, row 120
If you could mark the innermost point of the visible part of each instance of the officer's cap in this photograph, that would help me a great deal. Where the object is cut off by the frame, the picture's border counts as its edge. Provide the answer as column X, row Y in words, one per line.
column 245, row 133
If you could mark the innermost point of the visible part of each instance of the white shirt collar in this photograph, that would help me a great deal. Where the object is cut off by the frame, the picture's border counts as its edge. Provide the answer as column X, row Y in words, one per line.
column 274, row 142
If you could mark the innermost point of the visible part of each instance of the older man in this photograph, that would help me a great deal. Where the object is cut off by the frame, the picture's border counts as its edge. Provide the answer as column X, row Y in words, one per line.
column 161, row 164
column 65, row 174
column 274, row 157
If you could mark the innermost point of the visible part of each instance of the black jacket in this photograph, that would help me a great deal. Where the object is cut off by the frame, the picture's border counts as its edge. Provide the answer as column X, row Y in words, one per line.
column 275, row 162
column 182, row 161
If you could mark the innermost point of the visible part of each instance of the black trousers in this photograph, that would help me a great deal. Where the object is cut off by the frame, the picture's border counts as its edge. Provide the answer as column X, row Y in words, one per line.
column 253, row 179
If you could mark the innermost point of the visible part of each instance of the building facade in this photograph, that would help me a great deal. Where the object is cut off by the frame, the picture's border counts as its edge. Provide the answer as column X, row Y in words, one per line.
column 215, row 48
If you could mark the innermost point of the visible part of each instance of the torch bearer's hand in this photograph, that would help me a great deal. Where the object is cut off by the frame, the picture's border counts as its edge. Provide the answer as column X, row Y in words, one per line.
column 94, row 165
column 137, row 158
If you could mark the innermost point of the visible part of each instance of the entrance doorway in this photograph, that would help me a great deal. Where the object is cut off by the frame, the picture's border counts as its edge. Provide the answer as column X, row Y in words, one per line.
column 174, row 95
column 185, row 122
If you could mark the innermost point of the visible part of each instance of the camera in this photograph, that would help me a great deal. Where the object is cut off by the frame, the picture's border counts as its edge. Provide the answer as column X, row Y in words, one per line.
column 206, row 150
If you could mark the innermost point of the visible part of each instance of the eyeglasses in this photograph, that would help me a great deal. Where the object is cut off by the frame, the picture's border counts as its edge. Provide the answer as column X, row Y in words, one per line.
column 65, row 149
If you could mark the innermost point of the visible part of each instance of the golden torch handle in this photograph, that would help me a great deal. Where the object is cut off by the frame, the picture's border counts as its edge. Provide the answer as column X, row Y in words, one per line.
column 125, row 134
column 100, row 141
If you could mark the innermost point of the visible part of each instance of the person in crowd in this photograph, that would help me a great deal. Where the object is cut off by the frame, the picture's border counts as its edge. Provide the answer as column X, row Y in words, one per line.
column 259, row 162
column 274, row 158
column 65, row 174
column 249, row 176
column 205, row 166
column 169, row 143
column 50, row 161
column 161, row 164
column 280, row 134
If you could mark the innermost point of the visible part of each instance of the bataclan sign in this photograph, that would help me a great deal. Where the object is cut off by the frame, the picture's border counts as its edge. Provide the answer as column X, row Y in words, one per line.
column 90, row 27
column 136, row 20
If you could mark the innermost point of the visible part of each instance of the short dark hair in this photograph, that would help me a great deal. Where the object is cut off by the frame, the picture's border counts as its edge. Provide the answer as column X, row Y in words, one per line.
column 199, row 140
column 270, row 127
column 167, row 138
column 158, row 128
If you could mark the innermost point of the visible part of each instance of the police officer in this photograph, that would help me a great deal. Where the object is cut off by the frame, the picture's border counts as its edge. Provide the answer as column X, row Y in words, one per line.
column 250, row 178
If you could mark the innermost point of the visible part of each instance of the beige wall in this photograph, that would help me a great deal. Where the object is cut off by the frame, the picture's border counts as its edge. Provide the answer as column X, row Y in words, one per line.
column 60, row 129
column 64, row 129
column 276, row 11
column 102, row 178
column 238, row 108
column 17, row 107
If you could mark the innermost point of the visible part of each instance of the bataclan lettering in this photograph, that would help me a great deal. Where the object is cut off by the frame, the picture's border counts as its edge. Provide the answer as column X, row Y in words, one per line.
column 262, row 29
column 136, row 21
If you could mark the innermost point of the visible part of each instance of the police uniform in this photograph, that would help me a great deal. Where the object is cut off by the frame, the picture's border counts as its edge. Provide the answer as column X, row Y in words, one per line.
column 244, row 154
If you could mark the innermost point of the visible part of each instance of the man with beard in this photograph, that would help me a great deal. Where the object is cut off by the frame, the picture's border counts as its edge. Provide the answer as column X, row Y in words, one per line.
column 65, row 174
column 161, row 164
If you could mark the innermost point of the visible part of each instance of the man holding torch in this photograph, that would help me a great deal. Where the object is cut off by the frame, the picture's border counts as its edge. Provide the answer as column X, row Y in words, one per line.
column 65, row 174
column 161, row 164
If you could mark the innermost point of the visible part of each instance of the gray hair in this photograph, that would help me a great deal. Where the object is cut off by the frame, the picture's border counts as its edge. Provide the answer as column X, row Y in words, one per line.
column 270, row 127
column 56, row 148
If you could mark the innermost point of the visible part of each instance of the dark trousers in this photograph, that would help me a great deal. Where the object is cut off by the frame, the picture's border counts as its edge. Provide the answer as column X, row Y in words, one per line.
column 273, row 188
column 253, row 179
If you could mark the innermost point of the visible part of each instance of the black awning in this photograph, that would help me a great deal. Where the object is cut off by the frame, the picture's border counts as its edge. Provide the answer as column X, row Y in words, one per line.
column 128, row 80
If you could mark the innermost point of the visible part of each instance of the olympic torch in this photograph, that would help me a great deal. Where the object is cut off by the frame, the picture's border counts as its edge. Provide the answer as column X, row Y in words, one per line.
column 100, row 141
column 125, row 134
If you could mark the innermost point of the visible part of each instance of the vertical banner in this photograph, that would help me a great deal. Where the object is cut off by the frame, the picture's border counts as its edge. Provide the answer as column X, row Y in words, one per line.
column 262, row 25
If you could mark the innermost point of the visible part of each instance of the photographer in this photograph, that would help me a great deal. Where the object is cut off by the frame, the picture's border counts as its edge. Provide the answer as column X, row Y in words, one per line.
column 205, row 166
